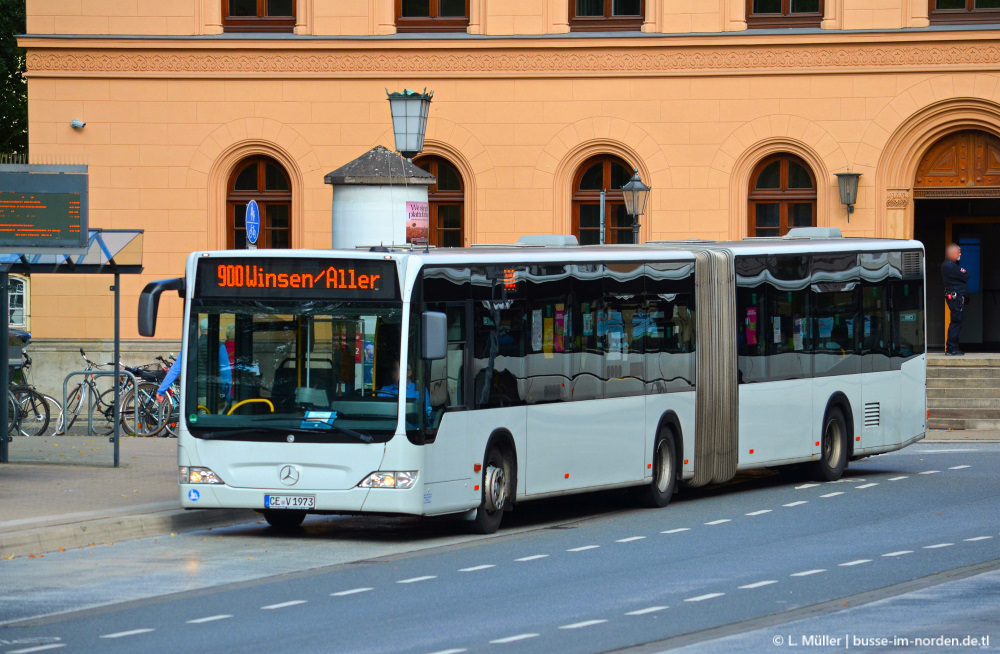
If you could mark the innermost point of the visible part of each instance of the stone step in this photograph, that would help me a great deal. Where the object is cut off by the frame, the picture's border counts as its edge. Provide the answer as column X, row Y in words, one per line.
column 981, row 360
column 962, row 392
column 955, row 372
column 966, row 414
column 934, row 403
column 961, row 423
column 968, row 382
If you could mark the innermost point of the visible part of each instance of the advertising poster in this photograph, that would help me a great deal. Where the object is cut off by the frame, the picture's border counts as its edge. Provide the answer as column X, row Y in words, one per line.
column 560, row 329
column 588, row 319
column 418, row 226
column 536, row 330
column 776, row 328
column 752, row 326
column 797, row 325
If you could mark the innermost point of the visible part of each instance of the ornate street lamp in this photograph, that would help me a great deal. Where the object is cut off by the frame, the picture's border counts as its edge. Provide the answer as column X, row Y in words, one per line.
column 409, row 120
column 848, row 183
column 636, row 194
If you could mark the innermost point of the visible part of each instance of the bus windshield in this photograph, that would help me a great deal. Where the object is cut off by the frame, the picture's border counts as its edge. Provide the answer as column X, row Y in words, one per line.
column 319, row 371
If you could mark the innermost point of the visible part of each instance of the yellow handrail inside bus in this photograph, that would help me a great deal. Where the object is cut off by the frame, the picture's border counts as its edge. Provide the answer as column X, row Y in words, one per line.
column 253, row 399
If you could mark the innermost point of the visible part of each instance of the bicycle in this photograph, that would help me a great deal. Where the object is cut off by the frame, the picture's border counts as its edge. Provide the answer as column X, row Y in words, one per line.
column 34, row 408
column 102, row 411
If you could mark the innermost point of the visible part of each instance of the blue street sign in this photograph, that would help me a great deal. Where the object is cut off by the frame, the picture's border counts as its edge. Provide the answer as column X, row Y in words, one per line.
column 253, row 222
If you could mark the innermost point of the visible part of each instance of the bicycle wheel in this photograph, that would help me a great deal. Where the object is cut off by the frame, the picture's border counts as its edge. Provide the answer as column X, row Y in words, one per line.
column 13, row 415
column 169, row 416
column 142, row 417
column 33, row 411
column 74, row 404
column 55, row 414
column 103, row 413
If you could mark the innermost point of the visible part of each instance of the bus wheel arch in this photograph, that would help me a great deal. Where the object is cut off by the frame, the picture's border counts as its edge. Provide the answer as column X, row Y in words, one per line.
column 835, row 445
column 667, row 453
column 499, row 482
column 840, row 401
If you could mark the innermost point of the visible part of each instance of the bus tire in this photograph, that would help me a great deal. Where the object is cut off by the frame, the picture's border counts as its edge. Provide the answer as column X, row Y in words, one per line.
column 496, row 493
column 833, row 447
column 657, row 494
column 283, row 520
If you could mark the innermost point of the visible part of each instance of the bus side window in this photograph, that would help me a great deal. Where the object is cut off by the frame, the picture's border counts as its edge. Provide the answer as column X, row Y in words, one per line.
column 446, row 384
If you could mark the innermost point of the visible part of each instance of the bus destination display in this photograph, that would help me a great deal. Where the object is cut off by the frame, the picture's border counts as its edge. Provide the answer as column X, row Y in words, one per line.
column 313, row 279
column 40, row 219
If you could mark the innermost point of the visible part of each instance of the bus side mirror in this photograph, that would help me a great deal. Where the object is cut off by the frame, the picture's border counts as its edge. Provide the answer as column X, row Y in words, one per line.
column 149, row 302
column 435, row 331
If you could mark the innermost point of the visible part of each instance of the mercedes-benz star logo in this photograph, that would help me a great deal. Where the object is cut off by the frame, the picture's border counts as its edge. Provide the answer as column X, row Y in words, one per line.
column 289, row 475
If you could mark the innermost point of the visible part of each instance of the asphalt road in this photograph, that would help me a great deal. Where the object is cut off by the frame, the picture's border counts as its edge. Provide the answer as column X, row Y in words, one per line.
column 905, row 546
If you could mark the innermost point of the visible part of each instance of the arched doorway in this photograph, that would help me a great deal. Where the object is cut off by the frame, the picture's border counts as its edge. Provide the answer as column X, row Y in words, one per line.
column 262, row 179
column 956, row 195
column 447, row 202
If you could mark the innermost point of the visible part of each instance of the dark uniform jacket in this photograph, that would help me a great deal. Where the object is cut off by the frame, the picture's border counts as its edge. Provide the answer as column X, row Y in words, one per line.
column 955, row 277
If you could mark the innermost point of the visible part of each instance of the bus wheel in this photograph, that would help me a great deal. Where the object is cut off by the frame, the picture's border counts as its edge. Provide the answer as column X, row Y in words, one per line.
column 496, row 491
column 283, row 520
column 657, row 494
column 833, row 455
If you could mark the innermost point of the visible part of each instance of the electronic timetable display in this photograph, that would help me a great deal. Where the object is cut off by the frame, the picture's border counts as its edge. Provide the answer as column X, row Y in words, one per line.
column 43, row 210
column 293, row 278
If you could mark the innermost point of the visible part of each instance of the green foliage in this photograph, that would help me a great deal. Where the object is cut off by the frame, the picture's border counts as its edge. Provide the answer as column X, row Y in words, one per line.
column 13, row 86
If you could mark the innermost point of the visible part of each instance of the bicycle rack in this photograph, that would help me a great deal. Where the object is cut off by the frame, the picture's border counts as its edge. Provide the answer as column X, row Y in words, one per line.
column 90, row 401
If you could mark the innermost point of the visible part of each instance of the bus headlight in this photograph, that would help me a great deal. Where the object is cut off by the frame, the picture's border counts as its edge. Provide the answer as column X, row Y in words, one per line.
column 403, row 480
column 198, row 476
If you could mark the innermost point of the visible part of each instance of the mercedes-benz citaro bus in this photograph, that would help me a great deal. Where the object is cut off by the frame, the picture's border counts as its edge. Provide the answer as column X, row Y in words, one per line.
column 464, row 381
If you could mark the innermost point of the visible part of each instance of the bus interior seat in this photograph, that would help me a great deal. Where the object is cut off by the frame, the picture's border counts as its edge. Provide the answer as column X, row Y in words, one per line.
column 322, row 376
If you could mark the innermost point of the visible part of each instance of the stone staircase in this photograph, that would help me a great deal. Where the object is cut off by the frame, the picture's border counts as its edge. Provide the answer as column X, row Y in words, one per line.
column 963, row 392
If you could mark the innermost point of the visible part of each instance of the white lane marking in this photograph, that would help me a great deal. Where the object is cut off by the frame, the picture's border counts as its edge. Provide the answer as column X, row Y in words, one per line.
column 676, row 531
column 898, row 478
column 512, row 639
column 630, row 539
column 865, row 486
column 271, row 607
column 580, row 625
column 533, row 557
column 353, row 591
column 761, row 512
column 806, row 486
column 833, row 494
column 651, row 609
column 584, row 548
column 899, row 553
column 934, row 547
column 945, row 451
column 39, row 648
column 970, row 540
column 414, row 580
column 795, row 503
column 806, row 573
column 451, row 651
column 857, row 562
column 718, row 522
column 758, row 584
column 478, row 567
column 929, row 472
column 702, row 598
column 959, row 467
column 122, row 634
column 211, row 618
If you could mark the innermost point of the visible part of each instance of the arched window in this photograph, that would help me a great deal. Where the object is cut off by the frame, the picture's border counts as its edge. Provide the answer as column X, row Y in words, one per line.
column 609, row 173
column 447, row 202
column 782, row 196
column 262, row 179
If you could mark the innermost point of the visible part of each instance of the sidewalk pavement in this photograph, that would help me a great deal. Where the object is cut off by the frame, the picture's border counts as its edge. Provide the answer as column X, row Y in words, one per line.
column 51, row 506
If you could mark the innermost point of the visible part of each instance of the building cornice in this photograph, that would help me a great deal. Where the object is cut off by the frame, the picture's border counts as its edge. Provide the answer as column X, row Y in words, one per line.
column 835, row 53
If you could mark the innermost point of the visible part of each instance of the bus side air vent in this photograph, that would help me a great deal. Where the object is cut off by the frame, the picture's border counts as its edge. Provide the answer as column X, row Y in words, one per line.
column 911, row 265
column 873, row 416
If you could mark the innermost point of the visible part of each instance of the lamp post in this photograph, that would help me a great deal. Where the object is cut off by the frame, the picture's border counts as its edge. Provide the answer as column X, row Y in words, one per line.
column 636, row 194
column 848, row 184
column 409, row 120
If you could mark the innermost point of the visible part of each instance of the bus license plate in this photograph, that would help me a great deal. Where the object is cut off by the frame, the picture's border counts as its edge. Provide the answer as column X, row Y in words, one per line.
column 289, row 501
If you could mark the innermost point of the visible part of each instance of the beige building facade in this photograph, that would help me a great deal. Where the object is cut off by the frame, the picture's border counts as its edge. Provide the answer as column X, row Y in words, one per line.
column 737, row 115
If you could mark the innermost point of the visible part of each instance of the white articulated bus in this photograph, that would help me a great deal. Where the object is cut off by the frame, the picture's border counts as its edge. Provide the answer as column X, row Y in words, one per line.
column 464, row 381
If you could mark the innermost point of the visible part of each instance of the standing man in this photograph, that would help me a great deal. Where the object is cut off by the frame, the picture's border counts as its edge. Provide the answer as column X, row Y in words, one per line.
column 956, row 292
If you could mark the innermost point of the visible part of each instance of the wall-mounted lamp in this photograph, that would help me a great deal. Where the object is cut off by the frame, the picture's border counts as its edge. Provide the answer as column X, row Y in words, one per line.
column 77, row 124
column 848, row 183
column 409, row 120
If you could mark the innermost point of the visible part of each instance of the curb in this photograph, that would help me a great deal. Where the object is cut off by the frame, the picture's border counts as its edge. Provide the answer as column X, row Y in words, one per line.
column 109, row 530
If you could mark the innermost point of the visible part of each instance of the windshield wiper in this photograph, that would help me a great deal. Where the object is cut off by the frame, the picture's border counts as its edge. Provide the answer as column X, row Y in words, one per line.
column 267, row 431
column 361, row 436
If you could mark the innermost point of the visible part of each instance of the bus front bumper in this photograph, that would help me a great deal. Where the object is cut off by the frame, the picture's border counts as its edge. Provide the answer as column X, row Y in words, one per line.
column 354, row 500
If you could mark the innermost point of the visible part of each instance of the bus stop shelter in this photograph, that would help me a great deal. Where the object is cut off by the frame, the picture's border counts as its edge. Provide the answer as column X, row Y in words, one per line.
column 112, row 252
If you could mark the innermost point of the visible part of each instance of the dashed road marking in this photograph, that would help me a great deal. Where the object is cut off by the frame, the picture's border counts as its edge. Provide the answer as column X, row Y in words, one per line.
column 211, row 618
column 533, row 557
column 702, row 598
column 806, row 573
column 857, row 562
column 898, row 478
column 451, row 651
column 584, row 548
column 758, row 584
column 580, row 625
column 676, row 531
column 806, row 486
column 651, row 609
column 959, row 467
column 865, row 486
column 761, row 512
column 37, row 648
column 282, row 605
column 833, row 494
column 475, row 568
column 899, row 553
column 630, row 539
column 795, row 503
column 718, row 522
column 971, row 540
column 512, row 639
column 929, row 472
column 934, row 547
column 123, row 634
column 353, row 591
column 414, row 580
